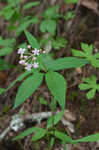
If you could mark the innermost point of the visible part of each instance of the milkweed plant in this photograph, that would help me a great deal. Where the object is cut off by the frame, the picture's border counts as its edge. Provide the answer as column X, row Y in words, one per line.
column 39, row 66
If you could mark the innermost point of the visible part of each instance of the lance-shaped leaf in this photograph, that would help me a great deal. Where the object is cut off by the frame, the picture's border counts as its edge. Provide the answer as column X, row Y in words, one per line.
column 38, row 133
column 32, row 41
column 62, row 136
column 65, row 63
column 27, row 88
column 31, row 4
column 57, row 86
column 20, row 78
column 90, row 138
column 71, row 1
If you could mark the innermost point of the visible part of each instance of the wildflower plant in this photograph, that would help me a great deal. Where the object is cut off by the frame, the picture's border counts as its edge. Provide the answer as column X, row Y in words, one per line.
column 55, row 82
column 88, row 54
column 35, row 60
column 40, row 66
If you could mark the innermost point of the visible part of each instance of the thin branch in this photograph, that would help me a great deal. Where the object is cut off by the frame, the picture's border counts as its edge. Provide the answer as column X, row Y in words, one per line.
column 18, row 120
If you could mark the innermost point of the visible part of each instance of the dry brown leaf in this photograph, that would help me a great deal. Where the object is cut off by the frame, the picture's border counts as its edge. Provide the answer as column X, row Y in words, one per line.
column 90, row 4
column 82, row 119
column 69, row 116
column 3, row 77
column 79, row 70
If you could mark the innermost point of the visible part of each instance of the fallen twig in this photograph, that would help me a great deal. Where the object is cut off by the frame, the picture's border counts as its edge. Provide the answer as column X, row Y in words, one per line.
column 18, row 120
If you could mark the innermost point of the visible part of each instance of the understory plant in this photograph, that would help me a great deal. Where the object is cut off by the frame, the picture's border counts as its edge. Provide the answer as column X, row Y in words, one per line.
column 41, row 67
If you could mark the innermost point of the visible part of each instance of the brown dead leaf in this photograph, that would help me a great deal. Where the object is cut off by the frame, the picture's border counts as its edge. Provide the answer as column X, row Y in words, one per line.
column 90, row 4
column 82, row 119
column 69, row 116
column 79, row 70
column 3, row 77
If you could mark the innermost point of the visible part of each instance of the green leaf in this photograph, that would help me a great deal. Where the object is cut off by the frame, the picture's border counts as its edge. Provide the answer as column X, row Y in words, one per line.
column 91, row 93
column 57, row 85
column 43, row 26
column 88, row 54
column 48, row 25
column 78, row 53
column 83, row 86
column 53, row 120
column 51, row 12
column 20, row 78
column 51, row 26
column 87, row 48
column 87, row 80
column 44, row 59
column 4, row 65
column 39, row 134
column 53, row 104
column 6, row 50
column 52, row 142
column 91, row 85
column 25, row 133
column 28, row 132
column 90, row 138
column 43, row 101
column 61, row 136
column 31, row 4
column 32, row 41
column 6, row 42
column 59, row 43
column 14, row 3
column 95, row 62
column 69, row 15
column 9, row 13
column 2, row 90
column 25, row 24
column 71, row 1
column 65, row 63
column 27, row 88
column 96, row 55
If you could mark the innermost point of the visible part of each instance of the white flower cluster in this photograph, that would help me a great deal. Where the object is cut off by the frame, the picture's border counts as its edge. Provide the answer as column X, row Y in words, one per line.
column 16, row 123
column 29, row 59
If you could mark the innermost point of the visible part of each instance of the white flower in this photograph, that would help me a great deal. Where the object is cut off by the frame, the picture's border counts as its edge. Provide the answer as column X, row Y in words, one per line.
column 21, row 51
column 35, row 65
column 36, row 51
column 16, row 123
column 28, row 67
column 22, row 62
